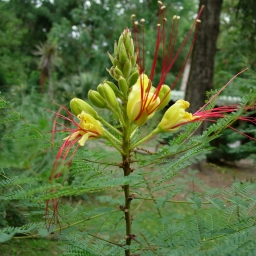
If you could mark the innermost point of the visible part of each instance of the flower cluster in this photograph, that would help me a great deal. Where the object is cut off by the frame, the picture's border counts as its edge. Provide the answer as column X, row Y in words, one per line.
column 133, row 99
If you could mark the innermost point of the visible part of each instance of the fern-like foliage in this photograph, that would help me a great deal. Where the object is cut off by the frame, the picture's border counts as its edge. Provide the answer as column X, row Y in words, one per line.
column 211, row 221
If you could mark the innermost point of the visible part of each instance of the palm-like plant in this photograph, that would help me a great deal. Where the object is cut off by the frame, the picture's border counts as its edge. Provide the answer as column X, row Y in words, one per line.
column 48, row 60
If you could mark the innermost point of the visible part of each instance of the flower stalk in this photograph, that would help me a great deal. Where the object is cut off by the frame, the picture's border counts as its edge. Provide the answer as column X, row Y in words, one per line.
column 126, row 166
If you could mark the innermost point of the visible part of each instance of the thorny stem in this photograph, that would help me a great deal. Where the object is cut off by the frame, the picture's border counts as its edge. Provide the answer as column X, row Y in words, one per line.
column 126, row 165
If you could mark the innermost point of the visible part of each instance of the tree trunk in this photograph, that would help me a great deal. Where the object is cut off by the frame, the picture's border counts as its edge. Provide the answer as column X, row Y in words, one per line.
column 202, row 65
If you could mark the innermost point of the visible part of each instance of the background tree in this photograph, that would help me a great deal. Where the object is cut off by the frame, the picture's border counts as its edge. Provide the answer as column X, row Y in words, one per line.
column 48, row 53
column 202, row 64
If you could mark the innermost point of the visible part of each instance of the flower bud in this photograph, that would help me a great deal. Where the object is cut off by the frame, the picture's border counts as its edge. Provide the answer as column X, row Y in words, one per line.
column 96, row 99
column 115, row 72
column 111, row 71
column 133, row 77
column 126, row 38
column 78, row 105
column 164, row 95
column 122, row 54
column 114, row 88
column 113, row 60
column 133, row 59
column 115, row 49
column 100, row 90
column 123, row 85
column 110, row 96
column 174, row 116
column 127, row 68
column 118, row 71
column 128, row 42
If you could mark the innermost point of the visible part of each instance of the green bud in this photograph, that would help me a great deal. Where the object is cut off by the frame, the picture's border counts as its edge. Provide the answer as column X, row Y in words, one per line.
column 115, row 49
column 133, row 77
column 111, row 71
column 114, row 88
column 118, row 71
column 110, row 96
column 122, row 53
column 123, row 85
column 96, row 99
column 133, row 59
column 101, row 90
column 128, row 42
column 127, row 68
column 113, row 60
column 164, row 95
column 78, row 105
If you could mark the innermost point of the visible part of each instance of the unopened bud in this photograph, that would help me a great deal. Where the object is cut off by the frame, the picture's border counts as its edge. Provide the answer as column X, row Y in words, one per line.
column 110, row 96
column 101, row 90
column 133, row 77
column 96, row 99
column 133, row 59
column 164, row 96
column 78, row 105
column 115, row 72
column 115, row 49
column 114, row 88
column 118, row 71
column 128, row 42
column 123, row 85
column 127, row 68
column 122, row 54
column 113, row 60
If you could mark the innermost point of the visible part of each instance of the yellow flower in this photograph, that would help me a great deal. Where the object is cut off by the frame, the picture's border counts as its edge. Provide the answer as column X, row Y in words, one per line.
column 142, row 101
column 175, row 116
column 88, row 128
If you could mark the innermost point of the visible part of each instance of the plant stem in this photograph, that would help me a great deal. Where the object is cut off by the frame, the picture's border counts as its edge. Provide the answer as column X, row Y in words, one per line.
column 126, row 165
column 114, row 144
column 112, row 137
column 67, row 226
column 109, row 125
column 145, row 138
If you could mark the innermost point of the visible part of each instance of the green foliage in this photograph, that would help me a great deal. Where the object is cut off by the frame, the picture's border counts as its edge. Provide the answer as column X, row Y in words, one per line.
column 12, row 70
column 90, row 218
column 218, row 221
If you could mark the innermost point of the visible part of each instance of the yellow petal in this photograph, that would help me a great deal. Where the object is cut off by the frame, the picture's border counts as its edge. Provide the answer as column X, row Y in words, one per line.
column 175, row 115
column 84, row 139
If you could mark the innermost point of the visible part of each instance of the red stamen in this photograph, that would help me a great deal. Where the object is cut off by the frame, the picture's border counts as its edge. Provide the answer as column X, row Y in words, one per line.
column 167, row 59
column 223, row 88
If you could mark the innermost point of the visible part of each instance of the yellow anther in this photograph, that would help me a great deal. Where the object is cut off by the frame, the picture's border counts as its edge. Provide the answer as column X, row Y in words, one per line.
column 163, row 7
column 142, row 20
column 159, row 2
column 199, row 21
